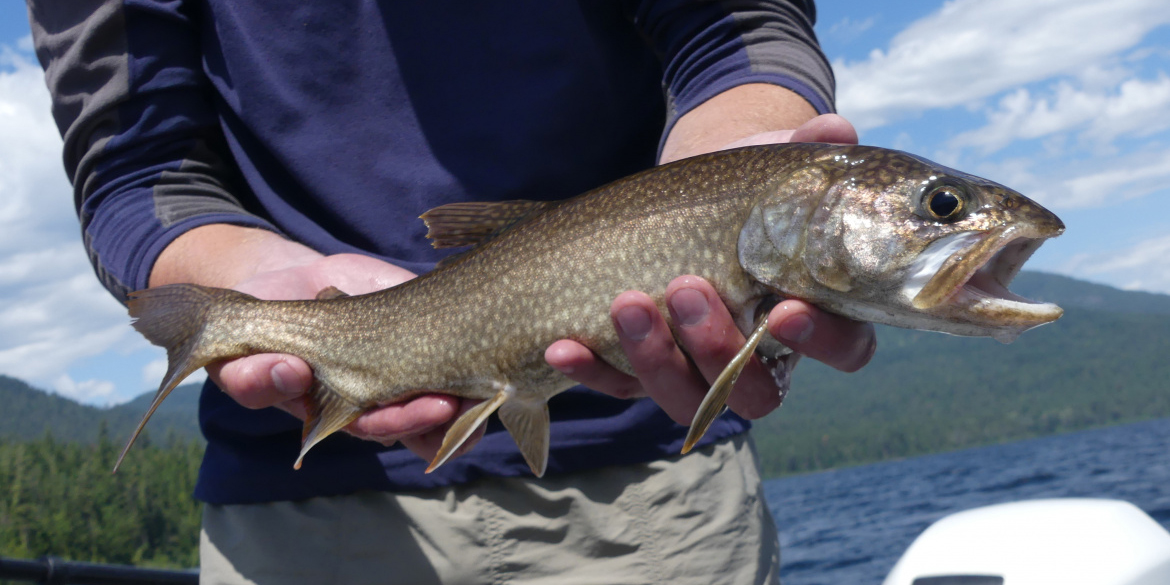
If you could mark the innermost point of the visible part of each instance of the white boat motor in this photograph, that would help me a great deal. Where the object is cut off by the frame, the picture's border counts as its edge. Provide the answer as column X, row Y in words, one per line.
column 1050, row 542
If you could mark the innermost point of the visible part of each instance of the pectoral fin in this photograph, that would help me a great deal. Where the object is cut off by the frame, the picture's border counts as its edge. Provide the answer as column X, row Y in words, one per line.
column 465, row 425
column 712, row 405
column 328, row 412
column 528, row 424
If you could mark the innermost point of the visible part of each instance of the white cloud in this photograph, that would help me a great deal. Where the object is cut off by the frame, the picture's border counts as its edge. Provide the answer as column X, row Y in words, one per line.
column 44, row 265
column 1144, row 266
column 1141, row 108
column 1123, row 181
column 96, row 392
column 1134, row 107
column 53, row 312
column 46, row 327
column 152, row 374
column 1071, row 183
column 970, row 50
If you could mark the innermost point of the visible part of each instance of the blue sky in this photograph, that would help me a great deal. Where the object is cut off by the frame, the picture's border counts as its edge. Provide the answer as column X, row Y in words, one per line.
column 1067, row 101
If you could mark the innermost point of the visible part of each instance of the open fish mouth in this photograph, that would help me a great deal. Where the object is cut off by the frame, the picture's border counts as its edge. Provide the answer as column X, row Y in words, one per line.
column 971, row 271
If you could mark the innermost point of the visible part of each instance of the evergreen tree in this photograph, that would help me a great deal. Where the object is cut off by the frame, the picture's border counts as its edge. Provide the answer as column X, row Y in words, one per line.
column 61, row 500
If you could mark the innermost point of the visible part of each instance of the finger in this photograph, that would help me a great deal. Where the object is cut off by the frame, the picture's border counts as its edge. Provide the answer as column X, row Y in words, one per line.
column 398, row 421
column 664, row 371
column 582, row 365
column 842, row 343
column 709, row 333
column 263, row 380
column 826, row 128
column 427, row 444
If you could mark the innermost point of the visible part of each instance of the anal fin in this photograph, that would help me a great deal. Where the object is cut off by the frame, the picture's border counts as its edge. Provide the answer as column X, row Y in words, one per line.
column 465, row 426
column 528, row 424
column 327, row 413
column 716, row 398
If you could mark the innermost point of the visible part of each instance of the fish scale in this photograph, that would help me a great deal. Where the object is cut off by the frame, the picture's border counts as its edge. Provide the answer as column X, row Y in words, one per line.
column 852, row 229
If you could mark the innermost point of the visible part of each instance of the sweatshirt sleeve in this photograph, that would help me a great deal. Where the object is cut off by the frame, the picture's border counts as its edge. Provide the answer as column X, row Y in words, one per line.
column 143, row 145
column 710, row 47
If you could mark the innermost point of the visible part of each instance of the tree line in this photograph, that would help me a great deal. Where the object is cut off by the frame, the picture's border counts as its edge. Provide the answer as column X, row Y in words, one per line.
column 60, row 498
column 928, row 393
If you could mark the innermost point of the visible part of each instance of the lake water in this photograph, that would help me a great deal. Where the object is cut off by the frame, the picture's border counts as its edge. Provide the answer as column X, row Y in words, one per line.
column 849, row 526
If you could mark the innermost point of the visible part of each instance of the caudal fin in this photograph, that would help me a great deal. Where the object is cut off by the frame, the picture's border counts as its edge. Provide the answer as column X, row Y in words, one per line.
column 175, row 317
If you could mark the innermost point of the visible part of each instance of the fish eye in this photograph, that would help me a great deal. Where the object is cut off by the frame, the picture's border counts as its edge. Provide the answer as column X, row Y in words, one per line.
column 944, row 202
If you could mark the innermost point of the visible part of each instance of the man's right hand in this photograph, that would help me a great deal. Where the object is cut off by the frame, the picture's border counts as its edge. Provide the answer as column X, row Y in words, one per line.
column 270, row 267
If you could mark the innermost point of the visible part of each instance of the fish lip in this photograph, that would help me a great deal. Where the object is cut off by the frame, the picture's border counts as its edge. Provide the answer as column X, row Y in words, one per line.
column 975, row 281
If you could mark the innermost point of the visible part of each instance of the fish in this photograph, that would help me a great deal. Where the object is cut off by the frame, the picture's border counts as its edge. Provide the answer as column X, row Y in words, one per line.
column 865, row 232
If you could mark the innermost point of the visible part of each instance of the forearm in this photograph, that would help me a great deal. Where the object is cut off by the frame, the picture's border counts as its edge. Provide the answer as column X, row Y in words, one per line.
column 225, row 255
column 142, row 140
column 737, row 113
column 735, row 69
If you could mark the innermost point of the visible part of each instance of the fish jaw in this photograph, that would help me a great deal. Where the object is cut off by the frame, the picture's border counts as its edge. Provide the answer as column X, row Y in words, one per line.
column 964, row 278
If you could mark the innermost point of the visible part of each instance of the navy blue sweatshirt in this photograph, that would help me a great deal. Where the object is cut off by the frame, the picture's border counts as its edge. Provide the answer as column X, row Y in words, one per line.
column 337, row 123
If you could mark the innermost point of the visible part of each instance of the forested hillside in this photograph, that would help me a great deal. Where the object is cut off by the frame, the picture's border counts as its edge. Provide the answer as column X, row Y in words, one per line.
column 1070, row 292
column 60, row 499
column 927, row 392
column 30, row 413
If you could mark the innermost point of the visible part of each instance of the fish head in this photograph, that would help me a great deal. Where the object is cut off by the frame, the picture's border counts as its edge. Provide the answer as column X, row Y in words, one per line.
column 888, row 237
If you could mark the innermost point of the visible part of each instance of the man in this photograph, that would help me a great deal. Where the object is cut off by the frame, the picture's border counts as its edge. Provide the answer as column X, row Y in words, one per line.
column 280, row 149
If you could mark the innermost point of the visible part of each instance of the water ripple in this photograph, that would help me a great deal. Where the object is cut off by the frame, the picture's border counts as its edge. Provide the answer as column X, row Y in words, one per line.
column 851, row 525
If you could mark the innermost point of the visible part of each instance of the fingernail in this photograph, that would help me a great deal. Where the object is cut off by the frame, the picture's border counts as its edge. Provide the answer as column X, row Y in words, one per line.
column 634, row 323
column 798, row 328
column 690, row 307
column 870, row 349
column 285, row 379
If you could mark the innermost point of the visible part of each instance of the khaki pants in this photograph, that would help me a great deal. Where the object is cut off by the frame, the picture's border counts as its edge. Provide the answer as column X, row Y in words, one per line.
column 699, row 518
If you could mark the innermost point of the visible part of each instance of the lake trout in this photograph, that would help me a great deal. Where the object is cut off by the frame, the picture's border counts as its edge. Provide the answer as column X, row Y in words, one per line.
column 872, row 234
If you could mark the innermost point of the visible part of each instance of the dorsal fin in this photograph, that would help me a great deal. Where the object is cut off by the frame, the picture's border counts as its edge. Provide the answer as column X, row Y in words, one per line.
column 473, row 222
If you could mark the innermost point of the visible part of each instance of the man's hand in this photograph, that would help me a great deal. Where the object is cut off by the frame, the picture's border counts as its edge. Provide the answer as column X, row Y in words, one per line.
column 708, row 333
column 283, row 270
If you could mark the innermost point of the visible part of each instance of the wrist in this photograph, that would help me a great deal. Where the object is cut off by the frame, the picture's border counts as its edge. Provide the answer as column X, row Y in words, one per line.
column 734, row 115
column 225, row 255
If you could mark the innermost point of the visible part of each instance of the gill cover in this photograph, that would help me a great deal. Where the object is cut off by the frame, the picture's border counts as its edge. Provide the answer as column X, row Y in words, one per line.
column 793, row 234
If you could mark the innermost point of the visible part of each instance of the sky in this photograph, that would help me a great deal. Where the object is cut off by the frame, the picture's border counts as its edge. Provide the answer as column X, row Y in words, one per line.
column 1066, row 101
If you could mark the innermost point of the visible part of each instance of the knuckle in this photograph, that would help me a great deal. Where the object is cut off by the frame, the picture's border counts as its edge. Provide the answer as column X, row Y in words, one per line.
column 717, row 346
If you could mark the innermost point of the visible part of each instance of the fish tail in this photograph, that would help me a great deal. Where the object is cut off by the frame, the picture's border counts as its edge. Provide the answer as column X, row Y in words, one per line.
column 177, row 317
